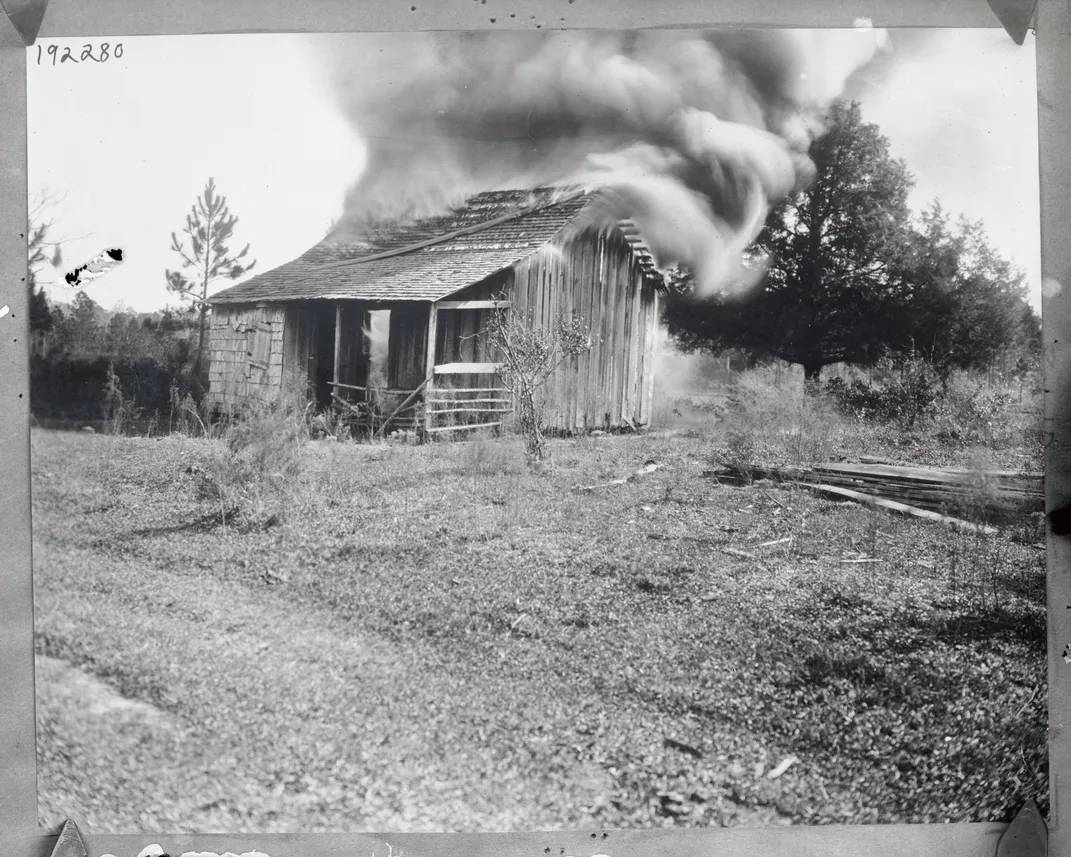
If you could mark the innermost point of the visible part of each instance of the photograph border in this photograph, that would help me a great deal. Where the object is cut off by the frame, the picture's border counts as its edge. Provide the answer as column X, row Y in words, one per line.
column 19, row 833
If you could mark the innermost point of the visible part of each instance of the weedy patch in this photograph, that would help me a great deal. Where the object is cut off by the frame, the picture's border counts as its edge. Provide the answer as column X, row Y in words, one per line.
column 569, row 641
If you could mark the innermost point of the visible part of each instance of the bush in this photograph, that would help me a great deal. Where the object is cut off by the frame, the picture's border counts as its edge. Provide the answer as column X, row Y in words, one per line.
column 118, row 411
column 899, row 411
column 767, row 420
column 971, row 412
column 962, row 409
column 528, row 354
column 189, row 416
column 777, row 424
column 252, row 475
column 903, row 393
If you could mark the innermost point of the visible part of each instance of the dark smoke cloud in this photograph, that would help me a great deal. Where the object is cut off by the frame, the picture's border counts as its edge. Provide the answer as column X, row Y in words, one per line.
column 693, row 135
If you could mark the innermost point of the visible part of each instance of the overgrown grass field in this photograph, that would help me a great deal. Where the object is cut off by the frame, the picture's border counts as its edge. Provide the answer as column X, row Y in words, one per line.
column 440, row 638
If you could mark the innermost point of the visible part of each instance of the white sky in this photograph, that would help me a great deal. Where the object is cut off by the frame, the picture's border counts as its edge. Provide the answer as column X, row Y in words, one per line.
column 129, row 144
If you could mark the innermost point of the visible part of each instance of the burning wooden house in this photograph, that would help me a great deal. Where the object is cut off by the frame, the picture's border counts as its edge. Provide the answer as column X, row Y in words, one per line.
column 431, row 285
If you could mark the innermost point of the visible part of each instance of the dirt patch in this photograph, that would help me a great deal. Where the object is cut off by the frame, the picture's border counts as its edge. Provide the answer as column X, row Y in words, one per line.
column 84, row 695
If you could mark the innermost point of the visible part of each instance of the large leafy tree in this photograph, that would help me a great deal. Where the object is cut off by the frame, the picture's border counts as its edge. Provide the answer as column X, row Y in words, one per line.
column 966, row 304
column 208, row 258
column 852, row 277
column 832, row 292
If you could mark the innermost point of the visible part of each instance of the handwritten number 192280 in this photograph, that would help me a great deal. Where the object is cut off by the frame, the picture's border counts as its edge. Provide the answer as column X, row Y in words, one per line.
column 102, row 53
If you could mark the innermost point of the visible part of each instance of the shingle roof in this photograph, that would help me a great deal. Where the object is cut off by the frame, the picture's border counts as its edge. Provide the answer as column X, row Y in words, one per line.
column 423, row 261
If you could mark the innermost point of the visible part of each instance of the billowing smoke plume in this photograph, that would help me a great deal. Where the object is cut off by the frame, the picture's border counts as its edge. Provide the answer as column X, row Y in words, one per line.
column 692, row 135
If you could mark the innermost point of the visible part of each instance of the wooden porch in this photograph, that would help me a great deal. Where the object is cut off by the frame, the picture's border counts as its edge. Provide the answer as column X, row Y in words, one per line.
column 457, row 391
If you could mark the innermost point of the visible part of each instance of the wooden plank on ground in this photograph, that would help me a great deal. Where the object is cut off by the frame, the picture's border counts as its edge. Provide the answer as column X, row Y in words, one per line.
column 894, row 506
column 908, row 478
column 928, row 474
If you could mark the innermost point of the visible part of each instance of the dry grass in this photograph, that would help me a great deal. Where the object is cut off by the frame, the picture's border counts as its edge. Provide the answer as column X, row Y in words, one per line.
column 436, row 637
column 764, row 418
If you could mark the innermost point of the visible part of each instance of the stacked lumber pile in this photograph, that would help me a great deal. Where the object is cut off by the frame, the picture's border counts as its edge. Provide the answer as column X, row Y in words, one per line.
column 994, row 496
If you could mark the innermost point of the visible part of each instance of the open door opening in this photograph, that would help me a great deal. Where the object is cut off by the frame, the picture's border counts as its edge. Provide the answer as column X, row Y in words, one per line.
column 323, row 339
column 323, row 369
column 377, row 347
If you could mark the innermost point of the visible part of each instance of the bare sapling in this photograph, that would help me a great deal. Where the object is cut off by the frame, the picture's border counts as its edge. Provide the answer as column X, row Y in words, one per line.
column 527, row 354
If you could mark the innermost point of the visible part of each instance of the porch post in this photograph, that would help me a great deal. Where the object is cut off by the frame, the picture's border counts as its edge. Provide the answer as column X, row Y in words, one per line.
column 429, row 359
column 338, row 346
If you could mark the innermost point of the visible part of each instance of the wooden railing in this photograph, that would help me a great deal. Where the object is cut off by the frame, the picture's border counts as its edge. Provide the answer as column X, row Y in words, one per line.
column 445, row 405
column 494, row 403
column 367, row 411
column 445, row 408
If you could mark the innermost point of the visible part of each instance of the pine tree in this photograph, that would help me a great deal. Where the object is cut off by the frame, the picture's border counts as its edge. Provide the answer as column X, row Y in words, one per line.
column 209, row 228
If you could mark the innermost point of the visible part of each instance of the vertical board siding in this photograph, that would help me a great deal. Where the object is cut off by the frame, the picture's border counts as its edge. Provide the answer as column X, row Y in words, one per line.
column 577, row 300
column 406, row 343
column 652, row 321
column 621, row 284
column 354, row 348
column 593, row 287
column 630, row 369
column 461, row 333
column 545, row 258
column 554, row 398
column 622, row 350
column 585, row 283
column 608, row 302
column 594, row 276
column 598, row 317
column 640, row 346
column 601, row 402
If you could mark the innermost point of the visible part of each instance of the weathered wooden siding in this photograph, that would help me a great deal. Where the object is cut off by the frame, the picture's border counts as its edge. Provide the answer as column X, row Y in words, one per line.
column 461, row 336
column 254, row 347
column 593, row 276
column 355, row 350
column 407, row 338
column 246, row 353
column 299, row 340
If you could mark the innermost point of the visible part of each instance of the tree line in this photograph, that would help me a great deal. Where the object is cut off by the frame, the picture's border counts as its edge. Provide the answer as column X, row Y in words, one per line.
column 81, row 350
column 852, row 277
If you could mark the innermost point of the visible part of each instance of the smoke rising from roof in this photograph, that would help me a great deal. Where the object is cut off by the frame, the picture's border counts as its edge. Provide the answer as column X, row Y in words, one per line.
column 692, row 135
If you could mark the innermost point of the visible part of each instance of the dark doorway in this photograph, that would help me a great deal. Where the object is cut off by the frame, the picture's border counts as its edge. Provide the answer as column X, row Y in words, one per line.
column 324, row 359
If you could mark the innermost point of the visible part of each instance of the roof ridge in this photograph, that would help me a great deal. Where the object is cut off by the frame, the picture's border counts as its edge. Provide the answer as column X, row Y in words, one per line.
column 464, row 230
